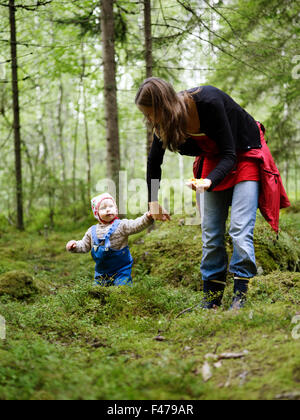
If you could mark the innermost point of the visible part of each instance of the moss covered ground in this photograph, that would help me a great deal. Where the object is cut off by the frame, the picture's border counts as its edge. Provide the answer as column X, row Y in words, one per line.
column 66, row 339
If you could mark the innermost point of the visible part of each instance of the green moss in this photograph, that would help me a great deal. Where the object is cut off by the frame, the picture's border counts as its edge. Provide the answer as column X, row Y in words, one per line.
column 173, row 252
column 19, row 285
column 85, row 342
column 276, row 254
column 275, row 287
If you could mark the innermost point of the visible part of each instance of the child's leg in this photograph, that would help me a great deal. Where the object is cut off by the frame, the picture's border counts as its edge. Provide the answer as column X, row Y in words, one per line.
column 123, row 277
column 122, row 281
column 104, row 281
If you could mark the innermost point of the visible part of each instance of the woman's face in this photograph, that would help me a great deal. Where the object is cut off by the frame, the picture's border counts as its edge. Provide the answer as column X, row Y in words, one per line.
column 148, row 112
column 107, row 210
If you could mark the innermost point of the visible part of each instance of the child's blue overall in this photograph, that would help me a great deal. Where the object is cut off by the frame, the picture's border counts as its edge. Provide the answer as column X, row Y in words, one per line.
column 113, row 266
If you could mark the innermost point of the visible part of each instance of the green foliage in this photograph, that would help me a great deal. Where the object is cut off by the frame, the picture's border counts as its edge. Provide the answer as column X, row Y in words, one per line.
column 248, row 48
column 257, row 65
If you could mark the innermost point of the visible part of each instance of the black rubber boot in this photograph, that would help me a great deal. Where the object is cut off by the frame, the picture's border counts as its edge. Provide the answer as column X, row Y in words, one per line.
column 239, row 292
column 213, row 294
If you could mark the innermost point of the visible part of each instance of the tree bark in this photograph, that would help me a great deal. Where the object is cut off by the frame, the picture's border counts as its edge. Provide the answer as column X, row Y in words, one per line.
column 60, row 132
column 296, row 179
column 148, row 57
column 88, row 149
column 86, row 127
column 110, row 92
column 16, row 111
column 75, row 146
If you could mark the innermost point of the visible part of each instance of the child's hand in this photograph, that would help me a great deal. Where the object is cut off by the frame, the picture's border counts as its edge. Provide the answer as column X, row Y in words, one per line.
column 71, row 246
column 149, row 215
column 157, row 212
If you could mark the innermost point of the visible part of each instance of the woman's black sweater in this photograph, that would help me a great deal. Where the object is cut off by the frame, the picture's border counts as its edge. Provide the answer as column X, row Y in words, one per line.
column 221, row 119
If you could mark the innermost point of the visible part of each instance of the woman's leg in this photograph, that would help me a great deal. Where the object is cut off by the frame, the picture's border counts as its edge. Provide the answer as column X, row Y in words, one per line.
column 243, row 217
column 214, row 258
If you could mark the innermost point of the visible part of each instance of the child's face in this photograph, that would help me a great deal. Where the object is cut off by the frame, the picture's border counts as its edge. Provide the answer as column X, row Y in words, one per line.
column 107, row 210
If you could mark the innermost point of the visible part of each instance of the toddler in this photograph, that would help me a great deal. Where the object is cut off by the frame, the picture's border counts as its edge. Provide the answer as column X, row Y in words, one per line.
column 108, row 242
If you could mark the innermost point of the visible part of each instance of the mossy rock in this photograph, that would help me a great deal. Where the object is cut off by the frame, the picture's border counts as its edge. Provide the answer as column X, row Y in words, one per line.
column 276, row 254
column 277, row 286
column 173, row 253
column 19, row 285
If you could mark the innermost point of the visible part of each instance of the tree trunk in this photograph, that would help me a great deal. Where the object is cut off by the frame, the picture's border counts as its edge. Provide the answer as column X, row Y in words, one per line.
column 74, row 164
column 110, row 92
column 60, row 132
column 149, row 69
column 16, row 110
column 148, row 57
column 86, row 128
column 88, row 149
column 296, row 179
column 30, row 164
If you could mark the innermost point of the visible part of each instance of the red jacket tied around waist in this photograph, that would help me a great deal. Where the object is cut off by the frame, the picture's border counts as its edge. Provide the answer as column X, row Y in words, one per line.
column 272, row 195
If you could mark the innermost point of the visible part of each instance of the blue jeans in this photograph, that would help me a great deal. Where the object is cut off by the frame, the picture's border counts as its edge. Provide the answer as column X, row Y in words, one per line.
column 243, row 199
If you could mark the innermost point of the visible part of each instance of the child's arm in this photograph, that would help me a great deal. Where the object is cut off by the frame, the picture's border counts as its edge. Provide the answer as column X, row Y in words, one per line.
column 82, row 246
column 130, row 227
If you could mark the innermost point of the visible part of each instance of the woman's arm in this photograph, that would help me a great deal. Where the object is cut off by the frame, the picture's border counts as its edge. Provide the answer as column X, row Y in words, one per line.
column 155, row 160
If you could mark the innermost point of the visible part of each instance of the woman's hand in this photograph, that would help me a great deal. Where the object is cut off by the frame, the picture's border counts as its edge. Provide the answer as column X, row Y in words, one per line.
column 71, row 246
column 206, row 184
column 157, row 212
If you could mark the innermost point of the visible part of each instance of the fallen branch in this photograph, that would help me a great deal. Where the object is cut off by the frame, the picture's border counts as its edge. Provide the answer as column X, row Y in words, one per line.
column 224, row 356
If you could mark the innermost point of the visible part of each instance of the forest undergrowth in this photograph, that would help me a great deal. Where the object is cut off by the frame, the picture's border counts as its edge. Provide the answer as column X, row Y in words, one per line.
column 66, row 339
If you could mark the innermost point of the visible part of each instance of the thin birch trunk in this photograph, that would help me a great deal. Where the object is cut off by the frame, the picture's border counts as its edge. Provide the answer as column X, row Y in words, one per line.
column 296, row 180
column 86, row 129
column 60, row 132
column 16, row 112
column 74, row 166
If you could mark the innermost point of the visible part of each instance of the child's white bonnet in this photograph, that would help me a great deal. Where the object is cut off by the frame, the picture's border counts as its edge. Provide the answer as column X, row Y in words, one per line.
column 97, row 200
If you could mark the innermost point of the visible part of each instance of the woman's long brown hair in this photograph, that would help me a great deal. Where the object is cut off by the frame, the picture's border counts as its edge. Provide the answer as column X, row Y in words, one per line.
column 170, row 111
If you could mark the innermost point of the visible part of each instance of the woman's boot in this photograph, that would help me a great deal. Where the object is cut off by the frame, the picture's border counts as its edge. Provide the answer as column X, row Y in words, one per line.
column 213, row 293
column 240, row 290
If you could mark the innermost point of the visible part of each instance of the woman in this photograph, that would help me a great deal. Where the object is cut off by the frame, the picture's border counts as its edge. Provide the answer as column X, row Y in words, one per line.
column 227, row 142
